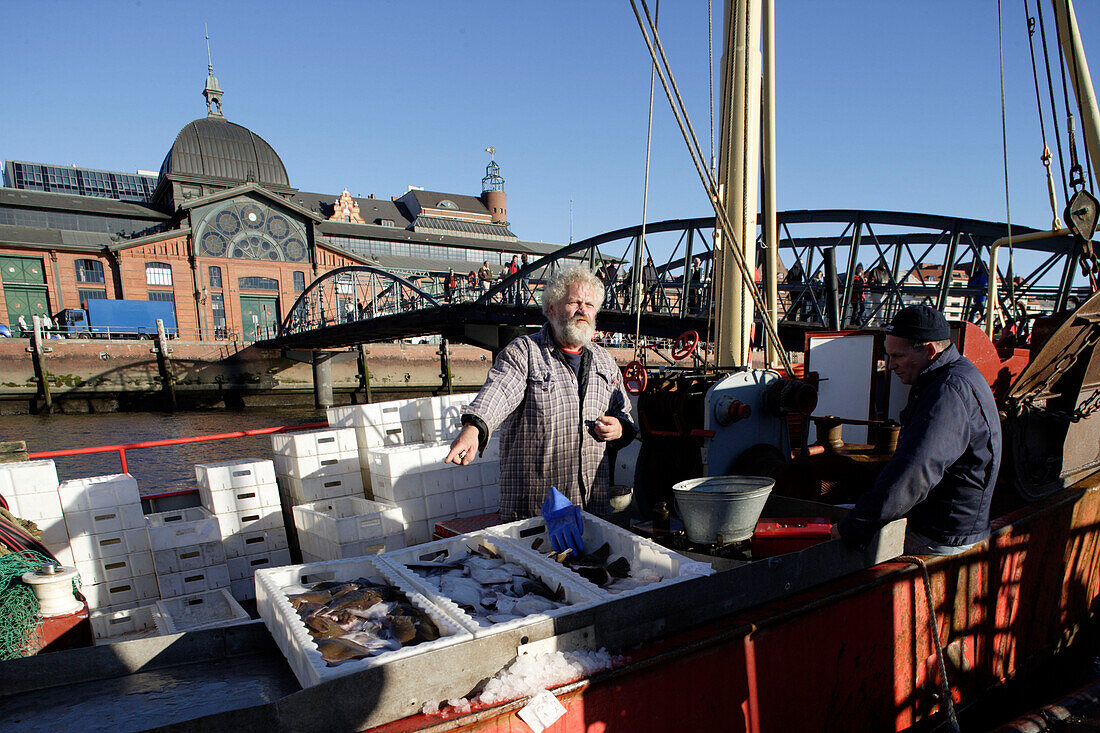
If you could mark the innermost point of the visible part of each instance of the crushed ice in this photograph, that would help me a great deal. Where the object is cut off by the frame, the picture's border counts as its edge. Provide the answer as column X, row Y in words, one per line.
column 528, row 675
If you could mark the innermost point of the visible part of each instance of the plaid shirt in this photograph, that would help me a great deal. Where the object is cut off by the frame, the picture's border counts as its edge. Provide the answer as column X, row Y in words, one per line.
column 532, row 396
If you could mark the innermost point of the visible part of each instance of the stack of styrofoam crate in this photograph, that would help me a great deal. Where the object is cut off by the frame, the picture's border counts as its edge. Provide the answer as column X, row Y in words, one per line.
column 187, row 551
column 376, row 425
column 109, row 545
column 441, row 417
column 415, row 478
column 321, row 464
column 335, row 529
column 244, row 496
column 30, row 488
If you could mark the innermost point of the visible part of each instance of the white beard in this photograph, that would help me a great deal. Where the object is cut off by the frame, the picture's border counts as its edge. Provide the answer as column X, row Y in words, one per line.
column 574, row 334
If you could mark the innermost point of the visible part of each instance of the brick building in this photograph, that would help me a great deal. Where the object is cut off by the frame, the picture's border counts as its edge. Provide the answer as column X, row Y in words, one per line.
column 221, row 233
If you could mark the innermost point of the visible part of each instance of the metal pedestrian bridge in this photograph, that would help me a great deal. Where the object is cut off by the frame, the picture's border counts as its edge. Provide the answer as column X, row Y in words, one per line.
column 905, row 257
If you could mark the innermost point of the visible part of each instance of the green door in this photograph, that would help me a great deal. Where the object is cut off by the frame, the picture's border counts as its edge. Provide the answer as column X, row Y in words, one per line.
column 26, row 302
column 259, row 316
column 22, row 270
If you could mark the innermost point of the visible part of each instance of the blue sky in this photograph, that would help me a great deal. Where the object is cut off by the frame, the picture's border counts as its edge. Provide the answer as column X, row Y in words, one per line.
column 881, row 105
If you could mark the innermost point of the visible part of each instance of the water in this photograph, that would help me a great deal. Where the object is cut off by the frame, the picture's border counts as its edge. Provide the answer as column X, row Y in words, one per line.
column 166, row 468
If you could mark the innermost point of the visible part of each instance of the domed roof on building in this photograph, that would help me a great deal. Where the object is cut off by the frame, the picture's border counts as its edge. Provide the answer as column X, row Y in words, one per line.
column 213, row 147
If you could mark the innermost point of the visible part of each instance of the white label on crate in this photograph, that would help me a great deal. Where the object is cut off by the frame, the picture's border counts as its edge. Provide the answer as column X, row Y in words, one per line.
column 542, row 712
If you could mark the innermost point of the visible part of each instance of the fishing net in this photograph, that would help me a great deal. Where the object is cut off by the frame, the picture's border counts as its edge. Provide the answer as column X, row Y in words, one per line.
column 19, row 619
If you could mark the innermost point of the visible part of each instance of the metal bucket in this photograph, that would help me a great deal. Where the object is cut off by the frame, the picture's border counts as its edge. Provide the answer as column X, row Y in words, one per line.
column 721, row 509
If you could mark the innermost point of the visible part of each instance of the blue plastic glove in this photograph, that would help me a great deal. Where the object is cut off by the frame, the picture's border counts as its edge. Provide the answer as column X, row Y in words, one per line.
column 563, row 522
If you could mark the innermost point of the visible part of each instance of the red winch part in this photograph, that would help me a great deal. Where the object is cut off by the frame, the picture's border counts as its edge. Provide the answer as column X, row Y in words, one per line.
column 684, row 345
column 635, row 377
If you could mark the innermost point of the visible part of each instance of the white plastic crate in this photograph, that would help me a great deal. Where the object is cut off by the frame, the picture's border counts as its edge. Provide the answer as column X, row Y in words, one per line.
column 400, row 460
column 141, row 622
column 190, row 557
column 193, row 581
column 577, row 596
column 252, row 543
column 246, row 565
column 292, row 637
column 318, row 442
column 117, row 594
column 303, row 491
column 109, row 544
column 210, row 609
column 417, row 532
column 318, row 549
column 642, row 554
column 183, row 527
column 251, row 520
column 37, row 508
column 382, row 434
column 240, row 498
column 99, row 492
column 349, row 519
column 28, row 477
column 104, row 520
column 235, row 474
column 112, row 569
column 326, row 464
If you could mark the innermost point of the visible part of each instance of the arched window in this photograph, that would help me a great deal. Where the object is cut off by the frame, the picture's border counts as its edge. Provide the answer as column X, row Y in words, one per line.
column 89, row 271
column 158, row 273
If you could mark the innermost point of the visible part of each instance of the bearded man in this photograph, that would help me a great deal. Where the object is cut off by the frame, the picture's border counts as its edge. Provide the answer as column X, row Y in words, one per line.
column 559, row 403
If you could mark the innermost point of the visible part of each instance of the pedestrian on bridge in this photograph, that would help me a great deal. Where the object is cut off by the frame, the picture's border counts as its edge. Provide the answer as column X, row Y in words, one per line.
column 559, row 404
column 485, row 276
column 449, row 283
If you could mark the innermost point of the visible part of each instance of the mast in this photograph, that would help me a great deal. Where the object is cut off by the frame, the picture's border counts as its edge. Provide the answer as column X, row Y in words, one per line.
column 771, row 240
column 738, row 174
column 1077, row 72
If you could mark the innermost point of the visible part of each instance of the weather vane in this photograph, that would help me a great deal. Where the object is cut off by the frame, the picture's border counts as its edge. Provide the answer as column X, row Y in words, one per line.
column 491, row 151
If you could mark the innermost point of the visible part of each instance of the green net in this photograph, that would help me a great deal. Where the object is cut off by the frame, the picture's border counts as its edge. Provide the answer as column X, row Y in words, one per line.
column 19, row 618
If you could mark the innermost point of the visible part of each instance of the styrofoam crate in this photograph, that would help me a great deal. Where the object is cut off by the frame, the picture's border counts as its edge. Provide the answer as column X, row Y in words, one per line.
column 28, row 477
column 440, row 429
column 466, row 477
column 206, row 610
column 191, row 557
column 292, row 637
column 251, row 520
column 303, row 491
column 417, row 532
column 490, row 472
column 99, row 492
column 444, row 406
column 191, row 526
column 110, row 544
column 469, row 499
column 128, row 592
column 251, row 543
column 193, row 581
column 641, row 553
column 576, row 595
column 141, row 622
column 54, row 532
column 438, row 481
column 492, row 497
column 34, row 507
column 349, row 519
column 316, row 442
column 492, row 451
column 240, row 498
column 346, row 416
column 112, row 569
column 235, row 474
column 379, row 435
column 104, row 520
column 397, row 488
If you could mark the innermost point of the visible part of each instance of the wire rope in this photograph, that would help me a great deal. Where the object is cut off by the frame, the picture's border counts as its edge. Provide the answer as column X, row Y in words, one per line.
column 1046, row 156
column 1075, row 163
column 1004, row 152
column 694, row 150
column 638, row 297
column 1053, row 104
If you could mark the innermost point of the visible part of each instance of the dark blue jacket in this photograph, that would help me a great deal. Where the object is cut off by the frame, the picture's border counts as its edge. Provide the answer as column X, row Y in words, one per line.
column 942, row 475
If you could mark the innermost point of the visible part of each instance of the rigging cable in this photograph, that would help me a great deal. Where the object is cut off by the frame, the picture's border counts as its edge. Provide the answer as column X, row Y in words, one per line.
column 1004, row 152
column 1075, row 165
column 1046, row 156
column 672, row 92
column 638, row 297
column 710, row 77
column 1053, row 105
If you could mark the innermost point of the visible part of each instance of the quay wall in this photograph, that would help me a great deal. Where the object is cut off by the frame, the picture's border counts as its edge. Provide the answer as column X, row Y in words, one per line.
column 105, row 376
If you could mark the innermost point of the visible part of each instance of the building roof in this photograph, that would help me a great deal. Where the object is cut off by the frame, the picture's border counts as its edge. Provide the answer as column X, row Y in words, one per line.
column 432, row 199
column 370, row 209
column 40, row 238
column 83, row 204
column 213, row 147
column 463, row 227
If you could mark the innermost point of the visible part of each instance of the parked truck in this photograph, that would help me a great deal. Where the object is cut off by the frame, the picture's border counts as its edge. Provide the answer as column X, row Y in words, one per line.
column 118, row 318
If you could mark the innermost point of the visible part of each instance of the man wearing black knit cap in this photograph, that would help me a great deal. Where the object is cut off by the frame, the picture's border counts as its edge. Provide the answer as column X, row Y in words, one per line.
column 942, row 475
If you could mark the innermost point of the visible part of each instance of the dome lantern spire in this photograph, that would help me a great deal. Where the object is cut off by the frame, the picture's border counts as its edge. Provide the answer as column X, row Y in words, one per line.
column 212, row 92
